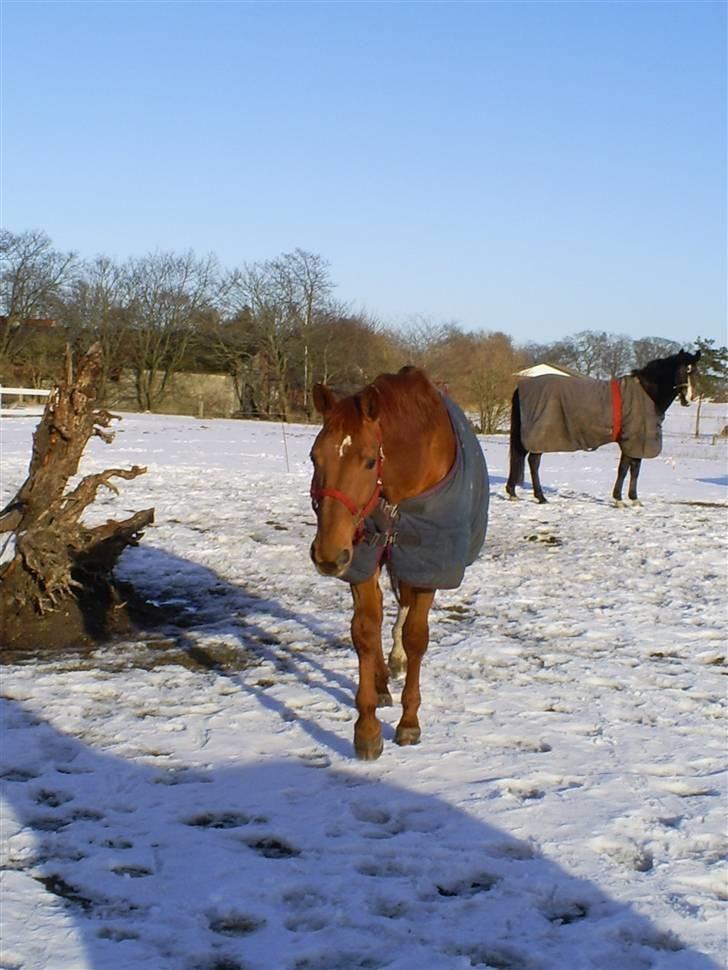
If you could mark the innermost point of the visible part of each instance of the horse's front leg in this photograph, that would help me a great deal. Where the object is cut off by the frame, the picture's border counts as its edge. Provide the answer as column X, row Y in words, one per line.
column 366, row 632
column 624, row 464
column 397, row 657
column 415, row 637
column 634, row 474
column 534, row 460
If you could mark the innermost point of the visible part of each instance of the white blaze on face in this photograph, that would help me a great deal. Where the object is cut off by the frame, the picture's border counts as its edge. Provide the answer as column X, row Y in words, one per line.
column 690, row 393
column 346, row 443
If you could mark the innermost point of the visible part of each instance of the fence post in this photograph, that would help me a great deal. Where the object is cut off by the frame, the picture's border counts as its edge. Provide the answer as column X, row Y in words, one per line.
column 285, row 445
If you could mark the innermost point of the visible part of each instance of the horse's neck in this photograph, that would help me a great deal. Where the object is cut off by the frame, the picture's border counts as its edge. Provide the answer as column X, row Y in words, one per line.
column 412, row 463
column 662, row 392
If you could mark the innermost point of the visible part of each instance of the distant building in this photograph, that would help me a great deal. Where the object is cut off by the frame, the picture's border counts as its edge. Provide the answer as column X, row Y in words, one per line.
column 538, row 370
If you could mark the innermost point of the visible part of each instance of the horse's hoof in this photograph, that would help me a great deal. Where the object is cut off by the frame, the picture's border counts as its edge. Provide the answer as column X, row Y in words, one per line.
column 512, row 498
column 408, row 735
column 618, row 503
column 636, row 504
column 384, row 699
column 370, row 749
column 541, row 500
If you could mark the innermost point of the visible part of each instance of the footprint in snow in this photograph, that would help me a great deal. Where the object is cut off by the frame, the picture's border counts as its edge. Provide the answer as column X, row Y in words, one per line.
column 116, row 934
column 53, row 799
column 469, row 886
column 387, row 825
column 221, row 820
column 315, row 759
column 132, row 872
column 382, row 869
column 118, row 844
column 338, row 961
column 234, row 924
column 309, row 914
column 17, row 775
column 390, row 908
column 490, row 959
column 272, row 848
column 625, row 852
column 307, row 922
column 216, row 962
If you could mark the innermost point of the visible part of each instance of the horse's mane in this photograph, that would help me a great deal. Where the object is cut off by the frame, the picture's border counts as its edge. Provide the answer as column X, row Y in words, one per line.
column 408, row 399
column 662, row 367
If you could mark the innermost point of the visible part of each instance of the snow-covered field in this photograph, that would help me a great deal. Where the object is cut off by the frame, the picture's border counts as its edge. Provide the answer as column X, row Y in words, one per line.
column 565, row 809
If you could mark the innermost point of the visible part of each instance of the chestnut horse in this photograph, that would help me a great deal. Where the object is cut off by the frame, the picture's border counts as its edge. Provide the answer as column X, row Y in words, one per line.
column 385, row 458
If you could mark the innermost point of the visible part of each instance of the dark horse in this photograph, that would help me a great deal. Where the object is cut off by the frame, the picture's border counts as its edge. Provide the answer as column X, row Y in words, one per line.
column 399, row 480
column 580, row 414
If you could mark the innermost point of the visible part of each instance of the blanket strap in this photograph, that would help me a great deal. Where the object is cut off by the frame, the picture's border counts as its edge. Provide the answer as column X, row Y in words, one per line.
column 616, row 410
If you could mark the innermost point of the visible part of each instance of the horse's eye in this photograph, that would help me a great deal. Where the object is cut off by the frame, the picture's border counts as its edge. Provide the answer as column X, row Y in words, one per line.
column 371, row 463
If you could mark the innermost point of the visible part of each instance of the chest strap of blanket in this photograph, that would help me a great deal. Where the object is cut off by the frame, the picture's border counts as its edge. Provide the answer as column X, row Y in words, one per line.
column 385, row 534
column 616, row 410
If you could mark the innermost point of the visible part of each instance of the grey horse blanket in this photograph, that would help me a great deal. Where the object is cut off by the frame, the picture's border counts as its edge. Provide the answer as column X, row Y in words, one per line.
column 577, row 414
column 429, row 539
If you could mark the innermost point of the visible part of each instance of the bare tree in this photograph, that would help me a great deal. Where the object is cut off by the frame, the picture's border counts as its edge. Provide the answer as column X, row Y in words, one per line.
column 33, row 276
column 423, row 338
column 95, row 313
column 165, row 295
column 302, row 285
column 617, row 355
column 348, row 351
column 593, row 353
column 492, row 379
column 646, row 349
column 257, row 294
column 234, row 346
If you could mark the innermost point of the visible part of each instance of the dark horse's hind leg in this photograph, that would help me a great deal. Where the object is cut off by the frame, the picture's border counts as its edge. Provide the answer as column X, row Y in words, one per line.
column 517, row 451
column 633, row 465
column 534, row 460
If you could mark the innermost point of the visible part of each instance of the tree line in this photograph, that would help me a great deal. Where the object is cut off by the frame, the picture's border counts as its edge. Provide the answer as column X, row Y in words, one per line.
column 274, row 327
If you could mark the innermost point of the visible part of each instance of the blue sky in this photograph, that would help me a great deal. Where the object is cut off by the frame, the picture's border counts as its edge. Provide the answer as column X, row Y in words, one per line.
column 539, row 168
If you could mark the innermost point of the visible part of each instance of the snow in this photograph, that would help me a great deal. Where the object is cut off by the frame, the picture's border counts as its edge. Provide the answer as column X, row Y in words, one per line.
column 565, row 809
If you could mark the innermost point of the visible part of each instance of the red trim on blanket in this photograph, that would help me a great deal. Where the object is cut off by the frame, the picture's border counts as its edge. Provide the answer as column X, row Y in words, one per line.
column 616, row 410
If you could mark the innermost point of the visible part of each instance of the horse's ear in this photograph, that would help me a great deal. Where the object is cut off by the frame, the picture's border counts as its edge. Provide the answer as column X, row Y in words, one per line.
column 323, row 399
column 369, row 403
column 696, row 356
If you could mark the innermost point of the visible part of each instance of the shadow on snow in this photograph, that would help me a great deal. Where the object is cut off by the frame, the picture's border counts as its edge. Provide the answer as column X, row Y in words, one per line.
column 290, row 864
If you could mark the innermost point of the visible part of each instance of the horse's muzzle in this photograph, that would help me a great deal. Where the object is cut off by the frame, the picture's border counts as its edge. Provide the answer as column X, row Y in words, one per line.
column 331, row 568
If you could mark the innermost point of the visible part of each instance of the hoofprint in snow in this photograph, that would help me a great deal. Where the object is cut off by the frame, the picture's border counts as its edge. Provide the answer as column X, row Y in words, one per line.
column 564, row 810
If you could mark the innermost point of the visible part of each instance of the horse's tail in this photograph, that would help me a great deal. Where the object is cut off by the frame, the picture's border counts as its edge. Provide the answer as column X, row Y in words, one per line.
column 517, row 451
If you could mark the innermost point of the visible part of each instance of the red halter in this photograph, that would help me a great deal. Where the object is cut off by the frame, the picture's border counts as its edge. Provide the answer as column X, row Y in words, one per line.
column 359, row 515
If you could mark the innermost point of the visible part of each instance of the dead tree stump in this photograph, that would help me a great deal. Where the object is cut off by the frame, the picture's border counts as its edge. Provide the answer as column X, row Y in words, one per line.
column 56, row 574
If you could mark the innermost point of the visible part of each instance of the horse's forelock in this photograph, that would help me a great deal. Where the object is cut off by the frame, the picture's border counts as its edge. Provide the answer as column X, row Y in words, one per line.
column 345, row 417
column 407, row 399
